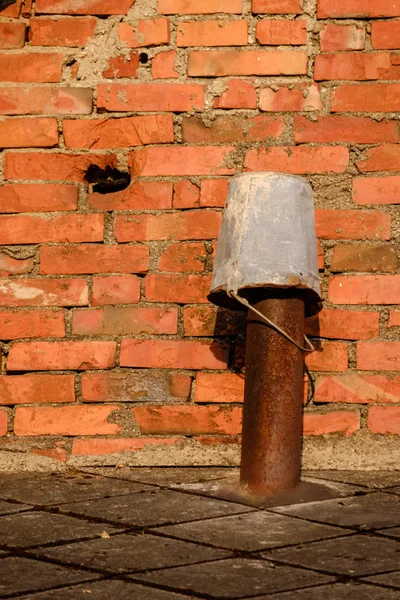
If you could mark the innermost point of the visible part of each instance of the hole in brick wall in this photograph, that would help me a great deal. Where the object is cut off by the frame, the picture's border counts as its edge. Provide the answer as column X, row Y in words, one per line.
column 144, row 59
column 5, row 3
column 108, row 180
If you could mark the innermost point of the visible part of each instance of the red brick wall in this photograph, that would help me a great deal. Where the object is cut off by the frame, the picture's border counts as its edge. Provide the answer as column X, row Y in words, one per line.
column 108, row 343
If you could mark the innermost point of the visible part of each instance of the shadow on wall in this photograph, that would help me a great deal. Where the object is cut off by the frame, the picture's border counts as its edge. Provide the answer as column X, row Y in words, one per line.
column 6, row 3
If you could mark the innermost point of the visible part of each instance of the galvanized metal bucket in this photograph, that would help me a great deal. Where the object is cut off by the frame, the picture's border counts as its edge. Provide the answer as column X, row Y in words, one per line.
column 267, row 240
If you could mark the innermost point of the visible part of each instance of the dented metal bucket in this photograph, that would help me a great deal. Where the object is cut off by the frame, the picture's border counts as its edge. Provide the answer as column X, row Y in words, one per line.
column 267, row 240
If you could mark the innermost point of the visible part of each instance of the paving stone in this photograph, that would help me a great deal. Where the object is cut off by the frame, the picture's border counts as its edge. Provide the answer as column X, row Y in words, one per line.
column 390, row 579
column 8, row 508
column 374, row 510
column 104, row 590
column 353, row 591
column 369, row 479
column 159, row 507
column 37, row 528
column 122, row 553
column 253, row 531
column 165, row 477
column 27, row 575
column 45, row 490
column 356, row 555
column 234, row 578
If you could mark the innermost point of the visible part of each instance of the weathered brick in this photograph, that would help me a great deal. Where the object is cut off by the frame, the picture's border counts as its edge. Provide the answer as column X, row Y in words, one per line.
column 182, row 289
column 147, row 32
column 383, row 97
column 148, row 97
column 352, row 224
column 163, row 65
column 12, row 35
column 45, row 100
column 335, row 128
column 175, row 161
column 13, row 11
column 33, row 229
column 186, row 194
column 220, row 63
column 233, row 129
column 183, row 258
column 206, row 321
column 239, row 94
column 37, row 197
column 394, row 318
column 115, row 289
column 61, row 32
column 329, row 356
column 347, row 257
column 32, row 67
column 356, row 388
column 301, row 97
column 28, row 133
column 192, row 7
column 212, row 33
column 124, row 321
column 213, row 192
column 187, row 225
column 384, row 419
column 378, row 356
column 298, row 159
column 356, row 66
column 28, row 323
column 338, row 421
column 385, row 35
column 15, row 266
column 103, row 446
column 88, row 7
column 364, row 289
column 343, row 324
column 281, row 32
column 282, row 7
column 188, row 420
column 358, row 8
column 385, row 157
column 118, row 133
column 36, row 389
column 141, row 195
column 65, row 420
column 135, row 386
column 43, row 292
column 376, row 190
column 93, row 258
column 3, row 422
column 122, row 66
column 172, row 354
column 61, row 356
column 342, row 37
column 219, row 387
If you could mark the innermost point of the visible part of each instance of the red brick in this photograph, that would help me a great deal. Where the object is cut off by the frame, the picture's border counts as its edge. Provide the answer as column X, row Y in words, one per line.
column 43, row 292
column 186, row 194
column 301, row 97
column 183, row 258
column 149, row 97
column 118, row 133
column 31, row 324
column 115, row 289
column 383, row 97
column 12, row 35
column 356, row 388
column 199, row 321
column 65, row 420
column 88, row 7
column 135, row 386
column 281, row 7
column 163, row 65
column 104, row 446
column 281, row 32
column 175, row 161
column 192, row 7
column 342, row 37
column 298, row 159
column 219, row 63
column 27, row 8
column 55, row 453
column 385, row 35
column 335, row 128
column 347, row 257
column 93, row 259
column 28, row 133
column 61, row 32
column 141, row 195
column 334, row 224
column 378, row 356
column 122, row 66
column 124, row 321
column 188, row 420
column 364, row 289
column 343, row 324
column 187, row 225
column 239, row 94
column 212, row 33
column 45, row 100
column 147, row 32
column 173, row 354
column 182, row 289
column 329, row 356
column 3, row 423
column 213, row 192
column 13, row 10
column 394, row 318
column 14, row 266
column 61, row 356
column 32, row 67
column 385, row 157
column 37, row 197
column 338, row 421
column 355, row 66
column 376, row 190
column 36, row 389
column 219, row 387
column 34, row 229
column 233, row 129
column 321, row 256
column 384, row 419
column 52, row 166
column 358, row 8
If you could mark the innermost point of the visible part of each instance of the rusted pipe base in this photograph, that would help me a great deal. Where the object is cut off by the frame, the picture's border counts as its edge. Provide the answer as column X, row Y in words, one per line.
column 272, row 413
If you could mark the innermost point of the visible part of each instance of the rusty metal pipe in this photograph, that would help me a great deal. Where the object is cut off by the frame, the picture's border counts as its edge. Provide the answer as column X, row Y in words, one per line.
column 273, row 403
